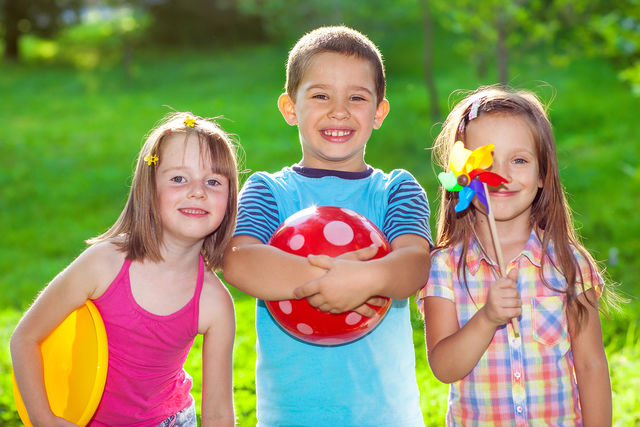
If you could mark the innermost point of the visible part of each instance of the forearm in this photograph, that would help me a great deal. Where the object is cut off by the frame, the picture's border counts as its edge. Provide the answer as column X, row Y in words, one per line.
column 28, row 371
column 594, row 388
column 455, row 356
column 266, row 272
column 402, row 272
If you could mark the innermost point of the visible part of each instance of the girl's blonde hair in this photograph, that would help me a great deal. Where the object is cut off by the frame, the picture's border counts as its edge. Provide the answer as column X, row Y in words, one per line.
column 139, row 224
column 550, row 212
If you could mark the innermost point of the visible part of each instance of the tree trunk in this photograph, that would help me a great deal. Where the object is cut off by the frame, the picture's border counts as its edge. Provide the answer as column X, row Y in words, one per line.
column 429, row 78
column 502, row 54
column 13, row 12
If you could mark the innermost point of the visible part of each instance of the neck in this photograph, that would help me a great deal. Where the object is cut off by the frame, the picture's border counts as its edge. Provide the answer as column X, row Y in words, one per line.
column 180, row 256
column 512, row 236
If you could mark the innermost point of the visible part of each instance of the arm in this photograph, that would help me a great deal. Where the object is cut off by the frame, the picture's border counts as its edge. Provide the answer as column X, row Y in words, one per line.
column 349, row 283
column 66, row 292
column 453, row 351
column 264, row 271
column 590, row 364
column 217, row 324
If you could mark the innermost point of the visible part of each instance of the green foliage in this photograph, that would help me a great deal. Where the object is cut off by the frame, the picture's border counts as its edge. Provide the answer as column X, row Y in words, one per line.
column 105, row 37
column 69, row 137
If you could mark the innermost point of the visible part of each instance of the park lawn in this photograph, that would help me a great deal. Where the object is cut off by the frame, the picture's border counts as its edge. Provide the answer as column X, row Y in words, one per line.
column 69, row 137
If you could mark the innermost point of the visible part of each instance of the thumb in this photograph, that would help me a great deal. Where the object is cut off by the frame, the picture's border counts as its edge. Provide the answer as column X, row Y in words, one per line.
column 322, row 261
column 513, row 275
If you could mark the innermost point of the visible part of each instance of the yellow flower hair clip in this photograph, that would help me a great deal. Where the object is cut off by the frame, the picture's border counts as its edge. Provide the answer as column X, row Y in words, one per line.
column 151, row 159
column 189, row 122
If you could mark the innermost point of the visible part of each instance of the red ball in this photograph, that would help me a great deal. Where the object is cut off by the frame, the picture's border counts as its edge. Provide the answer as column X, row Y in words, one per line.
column 332, row 231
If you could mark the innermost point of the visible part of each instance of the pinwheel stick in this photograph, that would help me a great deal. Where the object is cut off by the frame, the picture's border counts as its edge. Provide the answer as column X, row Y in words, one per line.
column 496, row 244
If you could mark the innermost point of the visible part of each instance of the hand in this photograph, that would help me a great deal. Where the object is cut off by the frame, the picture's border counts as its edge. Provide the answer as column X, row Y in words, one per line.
column 367, row 310
column 503, row 300
column 344, row 287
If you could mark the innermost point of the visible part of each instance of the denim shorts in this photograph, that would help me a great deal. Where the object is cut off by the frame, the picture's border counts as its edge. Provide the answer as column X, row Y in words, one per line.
column 184, row 418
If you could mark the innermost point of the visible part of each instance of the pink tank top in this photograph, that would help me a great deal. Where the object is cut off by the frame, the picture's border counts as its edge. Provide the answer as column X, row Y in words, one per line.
column 146, row 381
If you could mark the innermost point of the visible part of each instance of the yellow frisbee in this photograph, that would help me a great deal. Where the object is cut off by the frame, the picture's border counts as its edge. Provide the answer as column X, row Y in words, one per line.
column 74, row 357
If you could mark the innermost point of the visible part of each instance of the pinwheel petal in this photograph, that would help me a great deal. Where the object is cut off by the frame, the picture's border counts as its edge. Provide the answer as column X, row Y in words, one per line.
column 458, row 158
column 449, row 181
column 466, row 195
column 480, row 158
column 492, row 179
column 478, row 187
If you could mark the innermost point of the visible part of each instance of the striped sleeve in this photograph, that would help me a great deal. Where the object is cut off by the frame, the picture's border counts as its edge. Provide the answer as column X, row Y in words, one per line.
column 257, row 211
column 407, row 212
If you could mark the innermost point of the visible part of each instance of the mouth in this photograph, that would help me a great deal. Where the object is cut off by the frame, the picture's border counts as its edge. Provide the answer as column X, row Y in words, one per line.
column 502, row 193
column 337, row 135
column 193, row 212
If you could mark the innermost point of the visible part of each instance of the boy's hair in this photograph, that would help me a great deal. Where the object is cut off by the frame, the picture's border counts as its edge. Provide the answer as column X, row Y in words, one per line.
column 139, row 224
column 550, row 212
column 337, row 39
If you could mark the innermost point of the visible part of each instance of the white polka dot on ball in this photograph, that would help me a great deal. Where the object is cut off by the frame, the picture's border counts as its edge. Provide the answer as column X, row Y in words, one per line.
column 375, row 238
column 296, row 242
column 352, row 318
column 285, row 306
column 338, row 233
column 304, row 328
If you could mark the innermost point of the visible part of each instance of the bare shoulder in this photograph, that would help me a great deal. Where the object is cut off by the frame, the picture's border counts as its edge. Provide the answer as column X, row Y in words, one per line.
column 103, row 261
column 216, row 304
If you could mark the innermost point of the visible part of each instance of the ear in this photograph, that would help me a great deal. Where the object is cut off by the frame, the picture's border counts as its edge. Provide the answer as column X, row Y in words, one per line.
column 288, row 109
column 381, row 112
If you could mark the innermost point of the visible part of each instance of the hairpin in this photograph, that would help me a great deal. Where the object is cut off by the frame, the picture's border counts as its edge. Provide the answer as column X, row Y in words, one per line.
column 473, row 113
column 189, row 122
column 151, row 159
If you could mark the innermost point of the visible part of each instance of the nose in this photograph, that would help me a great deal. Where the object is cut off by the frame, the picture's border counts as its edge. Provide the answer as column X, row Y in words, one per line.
column 197, row 191
column 339, row 110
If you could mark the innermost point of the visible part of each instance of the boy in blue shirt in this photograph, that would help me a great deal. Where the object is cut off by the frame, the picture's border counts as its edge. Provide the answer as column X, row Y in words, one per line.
column 335, row 94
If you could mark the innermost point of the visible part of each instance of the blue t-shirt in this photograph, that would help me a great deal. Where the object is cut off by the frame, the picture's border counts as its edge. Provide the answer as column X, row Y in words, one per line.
column 371, row 381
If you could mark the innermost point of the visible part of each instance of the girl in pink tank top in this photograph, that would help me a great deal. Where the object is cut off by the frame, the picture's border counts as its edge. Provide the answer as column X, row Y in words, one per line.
column 151, row 276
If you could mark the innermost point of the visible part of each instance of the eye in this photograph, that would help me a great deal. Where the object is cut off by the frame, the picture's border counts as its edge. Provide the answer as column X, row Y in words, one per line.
column 358, row 98
column 178, row 179
column 520, row 161
column 320, row 96
column 213, row 182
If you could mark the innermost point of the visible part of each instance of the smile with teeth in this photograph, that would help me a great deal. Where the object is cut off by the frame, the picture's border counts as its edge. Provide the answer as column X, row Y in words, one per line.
column 191, row 211
column 335, row 132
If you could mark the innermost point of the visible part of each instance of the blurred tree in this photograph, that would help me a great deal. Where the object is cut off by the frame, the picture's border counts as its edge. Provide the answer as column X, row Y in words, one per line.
column 41, row 17
column 200, row 22
column 429, row 75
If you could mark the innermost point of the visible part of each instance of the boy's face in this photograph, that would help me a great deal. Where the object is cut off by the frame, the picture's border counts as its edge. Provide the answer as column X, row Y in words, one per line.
column 335, row 110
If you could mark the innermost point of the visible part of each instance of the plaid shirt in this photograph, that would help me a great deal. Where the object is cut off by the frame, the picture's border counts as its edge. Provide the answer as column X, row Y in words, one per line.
column 518, row 381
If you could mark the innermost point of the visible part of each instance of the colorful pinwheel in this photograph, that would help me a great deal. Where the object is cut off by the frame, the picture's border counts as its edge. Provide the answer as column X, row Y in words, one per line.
column 468, row 174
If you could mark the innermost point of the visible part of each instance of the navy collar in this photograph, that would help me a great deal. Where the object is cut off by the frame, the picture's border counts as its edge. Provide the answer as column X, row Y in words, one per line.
column 320, row 173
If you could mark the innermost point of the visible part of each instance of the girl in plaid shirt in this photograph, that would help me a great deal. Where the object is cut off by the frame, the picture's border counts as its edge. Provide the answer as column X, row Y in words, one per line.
column 555, row 372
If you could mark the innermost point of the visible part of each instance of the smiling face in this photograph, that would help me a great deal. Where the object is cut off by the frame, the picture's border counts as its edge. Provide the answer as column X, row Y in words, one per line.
column 514, row 158
column 192, row 198
column 336, row 110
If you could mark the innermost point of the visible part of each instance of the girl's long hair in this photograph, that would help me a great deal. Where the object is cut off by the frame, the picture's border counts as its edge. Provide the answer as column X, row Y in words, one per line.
column 139, row 228
column 550, row 213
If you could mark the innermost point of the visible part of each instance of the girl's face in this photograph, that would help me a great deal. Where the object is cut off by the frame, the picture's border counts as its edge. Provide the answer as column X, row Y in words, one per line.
column 514, row 157
column 192, row 198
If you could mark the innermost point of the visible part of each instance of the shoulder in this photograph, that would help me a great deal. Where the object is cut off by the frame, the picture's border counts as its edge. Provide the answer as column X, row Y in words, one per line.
column 216, row 304
column 103, row 261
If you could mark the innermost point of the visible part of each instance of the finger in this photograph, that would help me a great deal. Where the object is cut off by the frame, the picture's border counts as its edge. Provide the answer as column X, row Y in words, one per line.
column 365, row 310
column 513, row 275
column 322, row 261
column 315, row 300
column 306, row 290
column 362, row 254
column 377, row 301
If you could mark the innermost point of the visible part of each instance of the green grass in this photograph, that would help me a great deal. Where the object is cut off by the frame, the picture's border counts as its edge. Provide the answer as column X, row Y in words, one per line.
column 68, row 139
